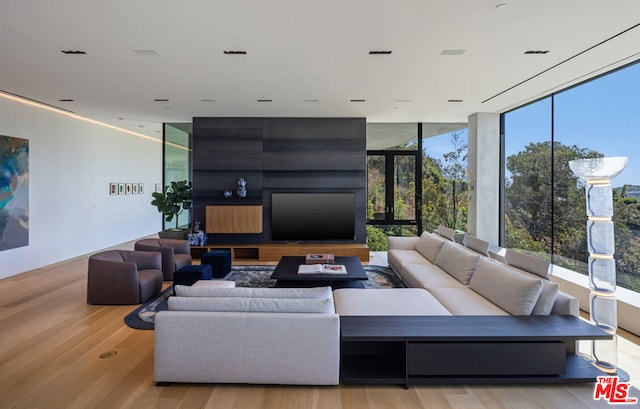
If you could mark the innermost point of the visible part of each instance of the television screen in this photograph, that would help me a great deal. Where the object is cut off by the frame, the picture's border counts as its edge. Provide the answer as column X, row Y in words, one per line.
column 313, row 216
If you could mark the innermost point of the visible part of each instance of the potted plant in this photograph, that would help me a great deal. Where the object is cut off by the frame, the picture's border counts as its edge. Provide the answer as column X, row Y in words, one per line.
column 171, row 202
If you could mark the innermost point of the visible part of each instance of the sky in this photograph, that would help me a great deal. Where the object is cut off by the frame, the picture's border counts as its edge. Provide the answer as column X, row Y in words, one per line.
column 602, row 115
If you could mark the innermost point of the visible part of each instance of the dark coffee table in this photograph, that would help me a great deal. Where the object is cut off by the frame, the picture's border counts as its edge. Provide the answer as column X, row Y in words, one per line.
column 286, row 274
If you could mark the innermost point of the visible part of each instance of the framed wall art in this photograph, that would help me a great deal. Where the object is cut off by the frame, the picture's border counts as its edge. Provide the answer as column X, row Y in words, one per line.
column 14, row 192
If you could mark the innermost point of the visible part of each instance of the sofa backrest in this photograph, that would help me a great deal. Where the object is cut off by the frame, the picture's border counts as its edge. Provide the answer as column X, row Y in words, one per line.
column 458, row 261
column 476, row 244
column 446, row 232
column 429, row 245
column 244, row 304
column 513, row 292
column 528, row 263
column 246, row 292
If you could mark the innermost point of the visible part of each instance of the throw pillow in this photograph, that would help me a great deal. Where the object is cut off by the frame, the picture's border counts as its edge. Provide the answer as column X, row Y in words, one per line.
column 513, row 292
column 528, row 263
column 429, row 246
column 547, row 298
column 457, row 261
column 548, row 295
column 446, row 232
column 475, row 244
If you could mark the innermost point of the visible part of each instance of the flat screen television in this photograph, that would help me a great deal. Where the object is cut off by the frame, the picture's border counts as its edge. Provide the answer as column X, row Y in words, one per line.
column 312, row 216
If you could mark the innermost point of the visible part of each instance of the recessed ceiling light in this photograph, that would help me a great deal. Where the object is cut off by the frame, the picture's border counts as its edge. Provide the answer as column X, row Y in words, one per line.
column 66, row 100
column 146, row 52
column 161, row 100
column 73, row 52
column 208, row 100
column 379, row 52
column 311, row 100
column 357, row 100
column 265, row 100
column 536, row 52
column 235, row 52
column 453, row 52
column 403, row 100
column 454, row 100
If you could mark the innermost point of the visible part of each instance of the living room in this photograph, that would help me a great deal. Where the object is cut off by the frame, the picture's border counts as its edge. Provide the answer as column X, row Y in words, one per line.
column 73, row 160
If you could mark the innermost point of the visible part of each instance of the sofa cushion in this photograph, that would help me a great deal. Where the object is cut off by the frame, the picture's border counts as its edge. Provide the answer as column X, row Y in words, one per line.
column 427, row 276
column 446, row 232
column 548, row 295
column 252, row 304
column 309, row 293
column 398, row 258
column 429, row 246
column 511, row 291
column 457, row 261
column 463, row 301
column 528, row 263
column 387, row 301
column 547, row 298
column 475, row 244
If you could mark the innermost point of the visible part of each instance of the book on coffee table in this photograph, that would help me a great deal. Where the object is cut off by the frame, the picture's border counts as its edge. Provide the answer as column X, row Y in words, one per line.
column 319, row 259
column 322, row 269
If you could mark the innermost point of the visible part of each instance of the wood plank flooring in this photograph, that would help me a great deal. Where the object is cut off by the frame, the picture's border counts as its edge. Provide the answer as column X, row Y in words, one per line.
column 56, row 351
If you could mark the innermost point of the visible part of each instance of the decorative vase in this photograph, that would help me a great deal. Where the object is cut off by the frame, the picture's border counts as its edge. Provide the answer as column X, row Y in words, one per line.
column 242, row 188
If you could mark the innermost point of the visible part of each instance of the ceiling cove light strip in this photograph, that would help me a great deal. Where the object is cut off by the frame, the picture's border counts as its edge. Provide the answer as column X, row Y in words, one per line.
column 562, row 62
column 70, row 114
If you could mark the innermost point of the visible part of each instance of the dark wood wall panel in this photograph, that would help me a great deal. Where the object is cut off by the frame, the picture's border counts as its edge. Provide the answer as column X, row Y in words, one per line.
column 275, row 155
column 296, row 179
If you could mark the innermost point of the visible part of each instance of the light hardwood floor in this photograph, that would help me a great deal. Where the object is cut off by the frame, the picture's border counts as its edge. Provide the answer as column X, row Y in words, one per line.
column 58, row 352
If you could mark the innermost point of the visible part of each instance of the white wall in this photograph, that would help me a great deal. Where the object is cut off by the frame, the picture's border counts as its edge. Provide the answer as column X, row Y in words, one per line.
column 71, row 163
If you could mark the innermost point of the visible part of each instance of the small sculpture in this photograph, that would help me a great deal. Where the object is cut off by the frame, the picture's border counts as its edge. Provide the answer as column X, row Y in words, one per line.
column 228, row 193
column 242, row 187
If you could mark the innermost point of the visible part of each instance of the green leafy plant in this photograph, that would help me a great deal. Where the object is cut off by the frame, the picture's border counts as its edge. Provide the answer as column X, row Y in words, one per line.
column 173, row 200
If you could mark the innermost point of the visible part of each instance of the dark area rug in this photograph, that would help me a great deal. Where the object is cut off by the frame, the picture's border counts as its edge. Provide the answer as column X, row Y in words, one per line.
column 249, row 276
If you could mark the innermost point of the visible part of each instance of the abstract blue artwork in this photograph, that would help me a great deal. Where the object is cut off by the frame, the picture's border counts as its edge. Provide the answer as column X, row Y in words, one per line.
column 14, row 192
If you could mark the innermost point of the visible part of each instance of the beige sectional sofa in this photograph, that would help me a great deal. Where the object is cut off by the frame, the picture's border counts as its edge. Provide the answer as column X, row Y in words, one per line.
column 248, row 335
column 292, row 336
column 464, row 280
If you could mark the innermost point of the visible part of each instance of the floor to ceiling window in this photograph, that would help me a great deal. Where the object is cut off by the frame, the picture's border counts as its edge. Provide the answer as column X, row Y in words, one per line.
column 177, row 161
column 417, row 179
column 393, row 197
column 527, row 202
column 444, row 176
column 544, row 203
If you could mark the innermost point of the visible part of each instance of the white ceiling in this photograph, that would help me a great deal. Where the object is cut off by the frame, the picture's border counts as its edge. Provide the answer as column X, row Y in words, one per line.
column 301, row 50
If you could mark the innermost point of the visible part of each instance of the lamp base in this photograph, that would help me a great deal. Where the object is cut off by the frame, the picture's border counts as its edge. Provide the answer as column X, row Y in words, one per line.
column 622, row 375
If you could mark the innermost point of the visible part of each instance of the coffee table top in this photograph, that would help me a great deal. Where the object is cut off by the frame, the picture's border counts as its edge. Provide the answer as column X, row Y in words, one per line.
column 287, row 269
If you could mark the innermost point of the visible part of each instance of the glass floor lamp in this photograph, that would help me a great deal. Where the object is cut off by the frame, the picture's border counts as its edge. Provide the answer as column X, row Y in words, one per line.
column 597, row 173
